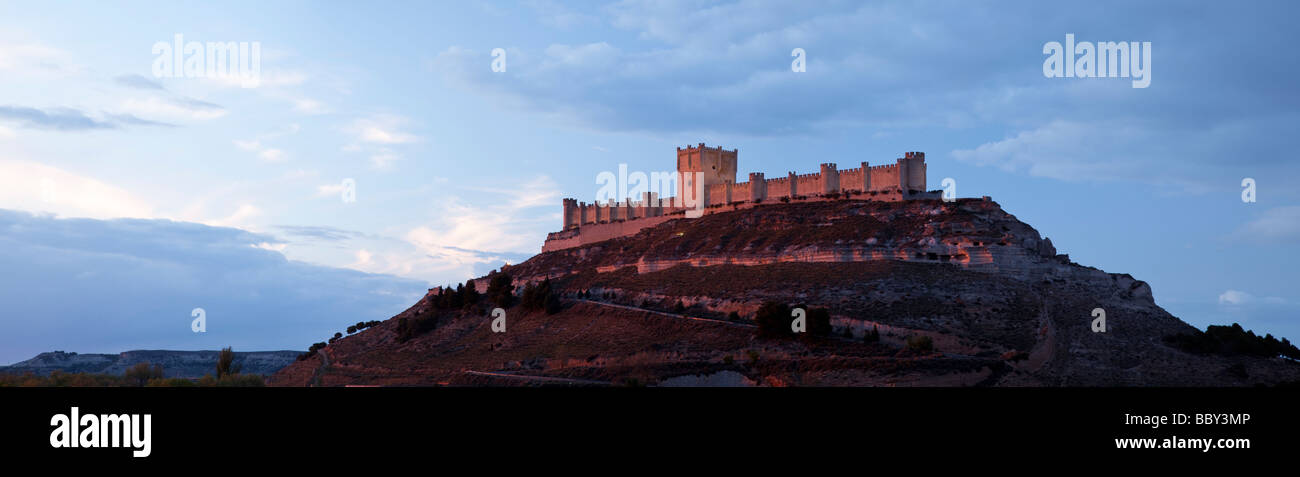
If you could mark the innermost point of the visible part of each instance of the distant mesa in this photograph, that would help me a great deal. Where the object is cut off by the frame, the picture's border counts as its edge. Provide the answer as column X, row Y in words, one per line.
column 175, row 364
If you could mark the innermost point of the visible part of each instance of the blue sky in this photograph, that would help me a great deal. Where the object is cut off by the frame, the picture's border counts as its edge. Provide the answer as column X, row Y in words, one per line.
column 131, row 199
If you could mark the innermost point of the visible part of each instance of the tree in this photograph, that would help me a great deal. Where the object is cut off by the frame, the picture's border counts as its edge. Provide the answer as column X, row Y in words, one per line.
column 540, row 297
column 141, row 373
column 226, row 363
column 872, row 336
column 469, row 295
column 501, row 290
column 773, row 320
column 819, row 322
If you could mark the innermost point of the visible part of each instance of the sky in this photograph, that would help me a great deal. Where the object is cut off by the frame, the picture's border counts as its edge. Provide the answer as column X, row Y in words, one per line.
column 381, row 150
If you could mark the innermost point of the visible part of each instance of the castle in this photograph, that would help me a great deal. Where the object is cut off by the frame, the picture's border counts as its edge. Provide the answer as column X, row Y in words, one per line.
column 706, row 177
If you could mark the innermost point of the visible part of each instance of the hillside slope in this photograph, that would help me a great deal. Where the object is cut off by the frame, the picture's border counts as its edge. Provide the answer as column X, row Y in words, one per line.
column 999, row 304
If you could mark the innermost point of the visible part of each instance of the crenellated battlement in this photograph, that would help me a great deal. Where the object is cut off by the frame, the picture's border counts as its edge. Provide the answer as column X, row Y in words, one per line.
column 715, row 169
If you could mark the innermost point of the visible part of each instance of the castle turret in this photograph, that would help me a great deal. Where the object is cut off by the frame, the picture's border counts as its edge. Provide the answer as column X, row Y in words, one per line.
column 570, row 214
column 757, row 187
column 830, row 178
column 911, row 172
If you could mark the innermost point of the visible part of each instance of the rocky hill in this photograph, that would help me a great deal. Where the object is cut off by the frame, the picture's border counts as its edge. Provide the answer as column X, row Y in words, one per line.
column 675, row 304
column 176, row 364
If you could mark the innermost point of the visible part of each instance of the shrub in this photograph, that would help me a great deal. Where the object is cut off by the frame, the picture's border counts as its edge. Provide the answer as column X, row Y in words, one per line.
column 679, row 307
column 920, row 344
column 1232, row 341
column 232, row 380
column 352, row 329
column 733, row 316
column 408, row 328
column 142, row 373
column 170, row 383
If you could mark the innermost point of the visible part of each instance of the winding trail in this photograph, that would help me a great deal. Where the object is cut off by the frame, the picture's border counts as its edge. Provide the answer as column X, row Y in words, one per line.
column 320, row 371
column 670, row 315
column 545, row 379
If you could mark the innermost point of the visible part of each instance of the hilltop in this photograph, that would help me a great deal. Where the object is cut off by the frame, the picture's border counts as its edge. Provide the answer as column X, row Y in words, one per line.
column 675, row 304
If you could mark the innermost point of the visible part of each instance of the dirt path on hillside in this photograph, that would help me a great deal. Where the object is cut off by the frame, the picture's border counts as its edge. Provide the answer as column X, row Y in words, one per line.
column 670, row 315
column 319, row 372
column 543, row 379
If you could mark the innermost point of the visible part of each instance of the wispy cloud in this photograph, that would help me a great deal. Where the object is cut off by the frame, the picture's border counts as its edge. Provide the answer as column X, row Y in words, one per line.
column 265, row 151
column 1275, row 225
column 69, row 119
column 138, row 82
column 382, row 129
column 1237, row 297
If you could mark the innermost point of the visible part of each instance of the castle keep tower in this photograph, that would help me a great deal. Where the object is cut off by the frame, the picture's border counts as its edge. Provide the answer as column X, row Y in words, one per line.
column 716, row 164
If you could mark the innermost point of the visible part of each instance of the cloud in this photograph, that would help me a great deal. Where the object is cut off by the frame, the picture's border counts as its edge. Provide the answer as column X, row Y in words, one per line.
column 319, row 232
column 377, row 137
column 32, row 186
column 266, row 79
column 1275, row 225
column 468, row 240
column 138, row 82
column 265, row 151
column 68, row 119
column 163, row 103
column 130, row 284
column 1138, row 150
column 34, row 59
column 382, row 129
column 894, row 72
column 1236, row 297
column 1233, row 297
column 176, row 108
column 384, row 159
column 556, row 15
column 239, row 218
column 310, row 106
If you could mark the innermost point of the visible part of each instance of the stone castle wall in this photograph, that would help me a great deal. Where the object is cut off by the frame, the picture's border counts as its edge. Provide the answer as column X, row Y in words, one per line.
column 590, row 223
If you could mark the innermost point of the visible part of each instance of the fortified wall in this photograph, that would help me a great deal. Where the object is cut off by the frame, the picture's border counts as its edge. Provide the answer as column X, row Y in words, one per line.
column 706, row 183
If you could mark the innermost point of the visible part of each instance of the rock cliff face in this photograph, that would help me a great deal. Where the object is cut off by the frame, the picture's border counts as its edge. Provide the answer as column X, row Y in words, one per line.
column 678, row 300
column 971, row 233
